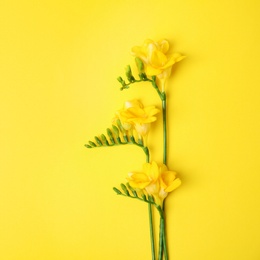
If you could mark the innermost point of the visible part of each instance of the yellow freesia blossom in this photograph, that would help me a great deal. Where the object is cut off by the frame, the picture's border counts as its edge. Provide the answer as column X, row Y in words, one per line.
column 156, row 179
column 156, row 59
column 135, row 115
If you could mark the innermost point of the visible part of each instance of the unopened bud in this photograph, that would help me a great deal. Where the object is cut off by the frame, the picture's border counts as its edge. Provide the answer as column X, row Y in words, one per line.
column 117, row 190
column 121, row 128
column 110, row 135
column 139, row 65
column 120, row 79
column 98, row 141
column 128, row 73
column 104, row 139
column 115, row 130
column 92, row 144
column 125, row 189
column 143, row 197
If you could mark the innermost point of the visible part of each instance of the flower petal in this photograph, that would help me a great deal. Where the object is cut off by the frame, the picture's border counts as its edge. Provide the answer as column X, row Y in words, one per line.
column 174, row 185
column 163, row 45
column 138, row 180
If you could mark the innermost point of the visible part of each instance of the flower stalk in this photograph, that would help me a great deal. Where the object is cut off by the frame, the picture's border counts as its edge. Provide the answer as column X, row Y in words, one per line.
column 131, row 125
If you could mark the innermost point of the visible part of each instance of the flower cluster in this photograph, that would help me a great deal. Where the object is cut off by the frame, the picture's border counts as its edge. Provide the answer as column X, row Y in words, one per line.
column 134, row 116
column 131, row 126
column 156, row 180
column 158, row 62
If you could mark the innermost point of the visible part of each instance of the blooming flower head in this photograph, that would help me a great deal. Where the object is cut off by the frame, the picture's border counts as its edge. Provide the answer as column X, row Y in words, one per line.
column 156, row 179
column 156, row 59
column 135, row 115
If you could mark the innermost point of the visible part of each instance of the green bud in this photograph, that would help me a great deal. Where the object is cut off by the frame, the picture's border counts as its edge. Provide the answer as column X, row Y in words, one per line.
column 140, row 141
column 125, row 138
column 92, row 144
column 104, row 139
column 119, row 125
column 122, row 82
column 120, row 79
column 128, row 73
column 134, row 193
column 88, row 146
column 143, row 197
column 139, row 65
column 115, row 130
column 98, row 141
column 125, row 189
column 143, row 76
column 109, row 133
column 117, row 191
column 132, row 139
column 131, row 189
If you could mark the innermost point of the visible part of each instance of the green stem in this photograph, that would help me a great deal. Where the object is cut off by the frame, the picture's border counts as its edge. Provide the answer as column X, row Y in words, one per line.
column 160, row 242
column 162, row 96
column 151, row 230
column 165, row 251
column 162, row 220
column 164, row 129
column 150, row 214
column 162, row 237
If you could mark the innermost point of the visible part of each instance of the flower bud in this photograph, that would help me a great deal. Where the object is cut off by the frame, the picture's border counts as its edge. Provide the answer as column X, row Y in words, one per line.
column 139, row 65
column 121, row 128
column 92, row 144
column 128, row 73
column 98, row 141
column 110, row 135
column 104, row 139
column 125, row 189
column 120, row 79
column 131, row 189
column 117, row 190
column 115, row 130
column 143, row 197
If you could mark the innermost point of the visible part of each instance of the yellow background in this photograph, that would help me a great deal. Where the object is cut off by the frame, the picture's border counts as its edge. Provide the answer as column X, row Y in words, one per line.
column 58, row 88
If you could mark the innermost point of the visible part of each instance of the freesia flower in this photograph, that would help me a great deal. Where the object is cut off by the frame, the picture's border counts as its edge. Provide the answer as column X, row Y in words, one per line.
column 156, row 59
column 135, row 115
column 156, row 179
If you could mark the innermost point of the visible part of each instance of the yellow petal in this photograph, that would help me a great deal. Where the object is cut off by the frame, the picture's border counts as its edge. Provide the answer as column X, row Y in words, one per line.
column 154, row 171
column 138, row 180
column 174, row 185
column 178, row 57
column 157, row 59
column 163, row 45
column 151, row 71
